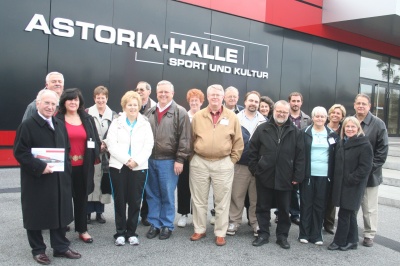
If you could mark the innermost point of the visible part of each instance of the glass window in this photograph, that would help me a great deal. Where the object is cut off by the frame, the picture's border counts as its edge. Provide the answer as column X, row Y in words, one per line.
column 374, row 66
column 394, row 76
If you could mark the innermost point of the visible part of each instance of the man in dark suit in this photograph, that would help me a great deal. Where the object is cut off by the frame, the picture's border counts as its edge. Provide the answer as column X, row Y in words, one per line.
column 46, row 195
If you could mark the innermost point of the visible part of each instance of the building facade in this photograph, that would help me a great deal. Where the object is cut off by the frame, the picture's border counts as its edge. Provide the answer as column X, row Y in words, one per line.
column 274, row 47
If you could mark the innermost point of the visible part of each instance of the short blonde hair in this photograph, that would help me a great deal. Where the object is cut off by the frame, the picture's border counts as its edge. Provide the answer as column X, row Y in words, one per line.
column 341, row 107
column 355, row 121
column 130, row 95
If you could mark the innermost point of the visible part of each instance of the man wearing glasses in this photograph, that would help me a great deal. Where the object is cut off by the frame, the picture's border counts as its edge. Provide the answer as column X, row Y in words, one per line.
column 144, row 90
column 276, row 159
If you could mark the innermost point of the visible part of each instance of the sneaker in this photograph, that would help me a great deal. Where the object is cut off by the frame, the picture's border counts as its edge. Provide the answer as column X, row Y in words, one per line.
column 212, row 220
column 120, row 241
column 319, row 243
column 256, row 231
column 133, row 241
column 304, row 241
column 182, row 221
column 232, row 229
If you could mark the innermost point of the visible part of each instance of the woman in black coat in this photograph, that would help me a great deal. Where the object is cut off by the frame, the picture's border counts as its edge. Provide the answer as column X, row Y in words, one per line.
column 353, row 163
column 85, row 150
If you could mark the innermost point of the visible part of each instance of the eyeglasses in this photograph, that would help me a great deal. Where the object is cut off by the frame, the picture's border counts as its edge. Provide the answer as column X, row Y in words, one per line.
column 139, row 89
column 282, row 112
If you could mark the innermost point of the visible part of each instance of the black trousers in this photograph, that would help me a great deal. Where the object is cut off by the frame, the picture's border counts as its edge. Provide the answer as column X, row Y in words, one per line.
column 313, row 199
column 184, row 190
column 347, row 229
column 58, row 241
column 330, row 211
column 144, row 211
column 294, row 203
column 80, row 197
column 127, row 188
column 265, row 200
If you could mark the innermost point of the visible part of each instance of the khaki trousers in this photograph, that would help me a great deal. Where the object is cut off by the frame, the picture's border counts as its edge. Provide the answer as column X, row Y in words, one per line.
column 369, row 208
column 219, row 174
column 243, row 181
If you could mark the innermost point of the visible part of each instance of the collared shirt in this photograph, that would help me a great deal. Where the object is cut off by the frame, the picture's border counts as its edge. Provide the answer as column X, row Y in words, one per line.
column 48, row 120
column 296, row 121
column 250, row 124
column 215, row 116
column 165, row 107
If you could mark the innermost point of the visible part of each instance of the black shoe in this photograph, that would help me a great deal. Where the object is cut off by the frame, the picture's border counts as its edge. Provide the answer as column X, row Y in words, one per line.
column 333, row 246
column 283, row 243
column 100, row 218
column 349, row 246
column 89, row 218
column 145, row 222
column 329, row 230
column 68, row 228
column 296, row 221
column 153, row 232
column 260, row 240
column 165, row 233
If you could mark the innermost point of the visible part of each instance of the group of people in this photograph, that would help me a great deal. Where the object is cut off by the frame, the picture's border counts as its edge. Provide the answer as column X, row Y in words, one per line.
column 259, row 156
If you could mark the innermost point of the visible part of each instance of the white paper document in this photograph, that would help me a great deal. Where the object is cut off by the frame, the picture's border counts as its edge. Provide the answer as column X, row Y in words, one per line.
column 52, row 156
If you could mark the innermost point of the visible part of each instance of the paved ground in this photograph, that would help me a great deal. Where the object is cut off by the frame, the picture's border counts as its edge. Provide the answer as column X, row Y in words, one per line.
column 179, row 250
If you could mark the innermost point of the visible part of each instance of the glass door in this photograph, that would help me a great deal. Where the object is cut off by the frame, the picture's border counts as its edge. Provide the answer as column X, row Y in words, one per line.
column 385, row 103
column 393, row 110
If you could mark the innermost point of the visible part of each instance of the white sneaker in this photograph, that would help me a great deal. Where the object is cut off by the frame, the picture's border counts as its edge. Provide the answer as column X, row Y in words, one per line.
column 120, row 241
column 319, row 243
column 133, row 240
column 182, row 221
column 256, row 231
column 232, row 228
column 304, row 241
column 212, row 220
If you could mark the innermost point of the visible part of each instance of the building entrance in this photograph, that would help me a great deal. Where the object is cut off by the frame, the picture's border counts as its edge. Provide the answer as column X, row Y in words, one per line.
column 385, row 102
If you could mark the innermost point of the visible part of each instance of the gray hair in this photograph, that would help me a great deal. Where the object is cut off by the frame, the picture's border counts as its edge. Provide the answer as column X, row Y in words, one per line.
column 165, row 82
column 231, row 88
column 319, row 110
column 53, row 73
column 44, row 92
column 282, row 102
column 216, row 87
column 148, row 87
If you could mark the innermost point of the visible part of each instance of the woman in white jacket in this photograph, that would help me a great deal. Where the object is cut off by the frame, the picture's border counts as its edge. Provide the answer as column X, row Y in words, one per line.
column 129, row 141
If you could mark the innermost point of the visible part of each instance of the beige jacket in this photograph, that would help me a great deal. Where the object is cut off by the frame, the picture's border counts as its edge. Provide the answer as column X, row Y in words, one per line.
column 214, row 143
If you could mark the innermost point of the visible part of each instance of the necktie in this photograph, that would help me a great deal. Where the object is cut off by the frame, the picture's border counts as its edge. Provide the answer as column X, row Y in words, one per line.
column 50, row 124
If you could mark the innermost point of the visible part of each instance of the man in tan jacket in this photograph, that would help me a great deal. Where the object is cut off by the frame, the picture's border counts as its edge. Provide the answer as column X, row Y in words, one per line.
column 217, row 145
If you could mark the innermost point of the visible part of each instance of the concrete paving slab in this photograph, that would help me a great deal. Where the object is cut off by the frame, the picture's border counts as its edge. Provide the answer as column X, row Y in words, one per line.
column 179, row 250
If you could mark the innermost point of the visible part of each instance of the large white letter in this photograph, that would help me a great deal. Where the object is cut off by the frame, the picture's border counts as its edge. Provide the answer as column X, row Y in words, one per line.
column 127, row 36
column 42, row 24
column 85, row 26
column 63, row 27
column 231, row 55
column 152, row 42
column 110, row 30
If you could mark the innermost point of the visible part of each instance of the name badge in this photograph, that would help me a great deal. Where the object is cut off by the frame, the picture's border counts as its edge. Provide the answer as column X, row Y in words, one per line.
column 224, row 122
column 331, row 140
column 90, row 144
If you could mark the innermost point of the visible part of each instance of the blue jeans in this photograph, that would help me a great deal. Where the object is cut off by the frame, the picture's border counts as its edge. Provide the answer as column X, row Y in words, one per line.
column 160, row 190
